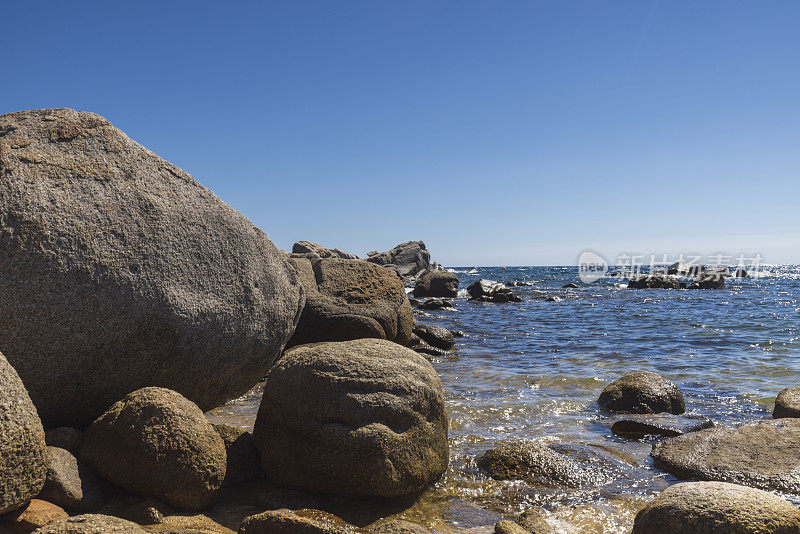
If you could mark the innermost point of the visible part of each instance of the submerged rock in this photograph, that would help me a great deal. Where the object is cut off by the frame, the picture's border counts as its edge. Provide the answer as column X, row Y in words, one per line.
column 361, row 418
column 417, row 344
column 787, row 403
column 716, row 508
column 297, row 522
column 491, row 291
column 436, row 304
column 396, row 526
column 533, row 462
column 535, row 523
column 437, row 284
column 408, row 258
column 514, row 283
column 642, row 392
column 570, row 286
column 313, row 251
column 70, row 483
column 22, row 445
column 664, row 424
column 351, row 299
column 91, row 524
column 509, row 527
column 763, row 455
column 436, row 336
column 156, row 443
column 118, row 271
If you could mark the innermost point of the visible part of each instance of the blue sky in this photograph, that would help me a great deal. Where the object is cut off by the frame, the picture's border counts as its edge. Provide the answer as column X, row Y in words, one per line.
column 515, row 132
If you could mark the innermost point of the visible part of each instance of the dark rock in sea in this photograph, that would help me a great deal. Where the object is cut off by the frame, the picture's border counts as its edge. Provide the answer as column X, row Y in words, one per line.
column 64, row 437
column 35, row 514
column 436, row 336
column 763, row 455
column 410, row 258
column 414, row 302
column 656, row 281
column 491, row 291
column 436, row 304
column 437, row 284
column 533, row 462
column 716, row 508
column 360, row 418
column 509, row 527
column 351, row 299
column 22, row 445
column 741, row 272
column 156, row 443
column 70, row 483
column 787, row 403
column 118, row 270
column 243, row 463
column 297, row 522
column 91, row 524
column 313, row 251
column 709, row 280
column 458, row 333
column 664, row 424
column 681, row 268
column 570, row 286
column 642, row 392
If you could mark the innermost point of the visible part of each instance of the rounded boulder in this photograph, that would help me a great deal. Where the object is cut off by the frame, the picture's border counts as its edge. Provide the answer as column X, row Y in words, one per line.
column 156, row 443
column 642, row 392
column 787, row 404
column 362, row 418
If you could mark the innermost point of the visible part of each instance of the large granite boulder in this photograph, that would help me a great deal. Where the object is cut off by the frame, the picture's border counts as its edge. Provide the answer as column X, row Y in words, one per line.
column 313, row 251
column 351, row 299
column 91, row 524
column 787, row 403
column 717, row 508
column 22, row 445
column 642, row 392
column 763, row 455
column 437, row 284
column 70, row 483
column 491, row 291
column 363, row 418
column 156, row 443
column 409, row 258
column 119, row 271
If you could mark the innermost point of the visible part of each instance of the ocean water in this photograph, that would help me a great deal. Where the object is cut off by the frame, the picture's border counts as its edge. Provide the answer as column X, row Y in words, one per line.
column 534, row 370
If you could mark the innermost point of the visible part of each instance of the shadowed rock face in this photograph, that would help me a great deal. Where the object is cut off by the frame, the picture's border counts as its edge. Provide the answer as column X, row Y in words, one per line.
column 22, row 445
column 363, row 417
column 642, row 392
column 716, row 508
column 437, row 284
column 119, row 271
column 408, row 258
column 763, row 455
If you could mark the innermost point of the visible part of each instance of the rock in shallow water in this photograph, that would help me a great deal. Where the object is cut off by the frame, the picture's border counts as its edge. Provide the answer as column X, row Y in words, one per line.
column 119, row 271
column 533, row 462
column 436, row 304
column 717, row 508
column 656, row 281
column 787, row 403
column 642, row 392
column 297, row 522
column 491, row 291
column 22, row 444
column 436, row 336
column 763, row 455
column 156, row 443
column 664, row 424
column 363, row 418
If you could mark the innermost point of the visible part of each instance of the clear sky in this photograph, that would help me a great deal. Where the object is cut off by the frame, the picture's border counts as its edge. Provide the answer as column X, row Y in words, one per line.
column 514, row 132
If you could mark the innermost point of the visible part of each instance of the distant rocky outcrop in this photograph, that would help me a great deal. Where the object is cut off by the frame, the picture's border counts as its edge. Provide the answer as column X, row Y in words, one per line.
column 656, row 281
column 710, row 280
column 313, row 251
column 351, row 299
column 491, row 291
column 361, row 418
column 118, row 271
column 741, row 272
column 642, row 392
column 407, row 259
column 437, row 284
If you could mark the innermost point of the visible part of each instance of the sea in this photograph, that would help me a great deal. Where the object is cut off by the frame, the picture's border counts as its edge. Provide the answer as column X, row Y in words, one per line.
column 534, row 370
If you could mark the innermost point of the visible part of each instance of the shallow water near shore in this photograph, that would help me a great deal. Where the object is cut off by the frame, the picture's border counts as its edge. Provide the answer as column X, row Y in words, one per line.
column 534, row 370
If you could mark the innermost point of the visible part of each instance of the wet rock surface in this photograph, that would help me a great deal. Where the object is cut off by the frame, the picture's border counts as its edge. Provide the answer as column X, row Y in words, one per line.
column 642, row 392
column 533, row 462
column 436, row 336
column 787, row 403
column 639, row 426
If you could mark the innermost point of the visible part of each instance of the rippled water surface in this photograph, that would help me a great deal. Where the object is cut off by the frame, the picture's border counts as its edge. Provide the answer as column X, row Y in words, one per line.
column 534, row 369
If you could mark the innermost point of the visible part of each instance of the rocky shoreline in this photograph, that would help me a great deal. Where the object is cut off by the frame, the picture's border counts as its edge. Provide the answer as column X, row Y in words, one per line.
column 135, row 301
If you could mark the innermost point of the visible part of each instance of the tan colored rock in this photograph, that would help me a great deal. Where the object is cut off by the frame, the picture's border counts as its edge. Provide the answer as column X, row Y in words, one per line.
column 297, row 522
column 91, row 524
column 36, row 514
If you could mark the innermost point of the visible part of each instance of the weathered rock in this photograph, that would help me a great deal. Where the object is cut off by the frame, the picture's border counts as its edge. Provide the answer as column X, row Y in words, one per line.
column 491, row 291
column 553, row 299
column 351, row 299
column 663, row 424
column 435, row 336
column 22, row 445
column 91, row 524
column 717, row 508
column 409, row 258
column 763, row 455
column 417, row 344
column 533, row 462
column 36, row 514
column 297, row 522
column 363, row 417
column 396, row 526
column 70, row 483
column 509, row 527
column 570, row 286
column 787, row 403
column 437, row 284
column 642, row 392
column 534, row 523
column 156, row 443
column 436, row 304
column 313, row 251
column 240, row 448
column 682, row 268
column 118, row 271
column 64, row 437
column 709, row 280
column 656, row 281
